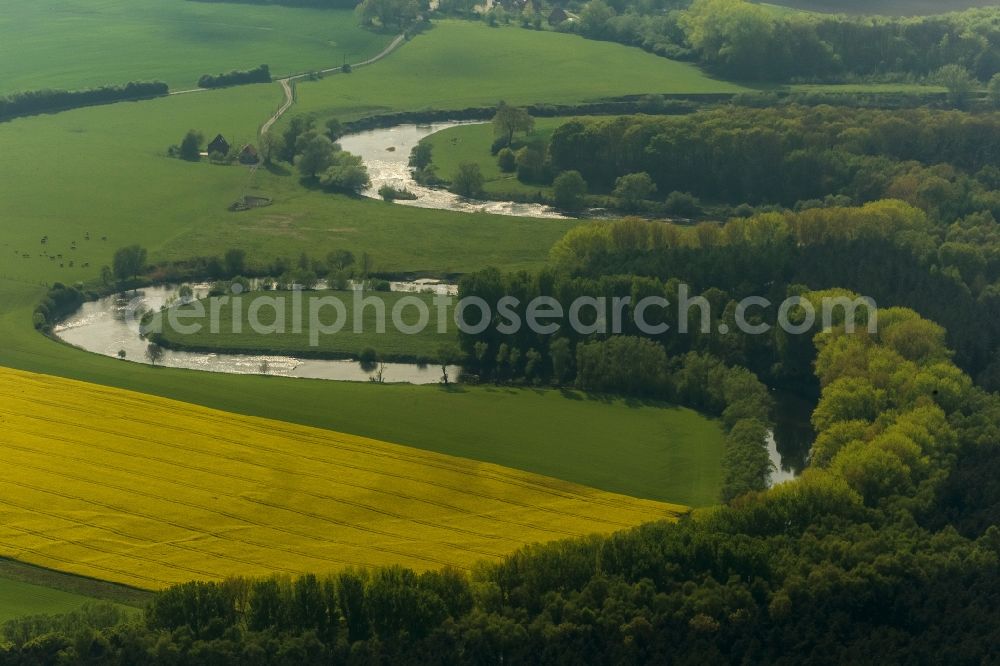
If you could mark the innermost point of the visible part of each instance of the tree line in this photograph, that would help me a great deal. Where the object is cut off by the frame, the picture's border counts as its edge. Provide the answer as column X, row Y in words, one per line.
column 236, row 77
column 43, row 101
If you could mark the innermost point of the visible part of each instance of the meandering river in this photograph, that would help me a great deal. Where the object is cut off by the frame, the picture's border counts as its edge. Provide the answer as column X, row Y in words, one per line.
column 110, row 326
column 386, row 153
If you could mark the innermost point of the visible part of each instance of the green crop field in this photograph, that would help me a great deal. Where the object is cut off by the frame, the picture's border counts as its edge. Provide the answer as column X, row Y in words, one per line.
column 460, row 64
column 391, row 344
column 79, row 43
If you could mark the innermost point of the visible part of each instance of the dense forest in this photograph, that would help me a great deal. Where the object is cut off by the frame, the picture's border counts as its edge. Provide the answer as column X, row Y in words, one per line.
column 889, row 251
column 941, row 161
column 739, row 39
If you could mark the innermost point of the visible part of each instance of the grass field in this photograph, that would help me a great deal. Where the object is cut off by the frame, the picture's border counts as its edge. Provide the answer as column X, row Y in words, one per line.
column 148, row 492
column 18, row 598
column 112, row 178
column 79, row 43
column 392, row 344
column 459, row 64
column 881, row 7
column 866, row 88
column 471, row 143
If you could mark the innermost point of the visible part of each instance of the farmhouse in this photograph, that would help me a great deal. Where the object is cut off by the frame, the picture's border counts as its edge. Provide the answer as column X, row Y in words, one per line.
column 249, row 155
column 218, row 145
column 557, row 16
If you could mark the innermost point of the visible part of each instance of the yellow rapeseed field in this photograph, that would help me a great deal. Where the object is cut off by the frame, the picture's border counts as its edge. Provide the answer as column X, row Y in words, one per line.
column 148, row 492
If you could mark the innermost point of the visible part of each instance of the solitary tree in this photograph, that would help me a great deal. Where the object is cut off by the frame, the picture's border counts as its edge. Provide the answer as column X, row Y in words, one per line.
column 420, row 156
column 633, row 189
column 683, row 204
column 191, row 146
column 339, row 259
column 154, row 353
column 297, row 126
column 270, row 148
column 510, row 120
column 317, row 156
column 959, row 83
column 569, row 190
column 468, row 182
column 346, row 172
column 448, row 354
column 507, row 160
column 128, row 262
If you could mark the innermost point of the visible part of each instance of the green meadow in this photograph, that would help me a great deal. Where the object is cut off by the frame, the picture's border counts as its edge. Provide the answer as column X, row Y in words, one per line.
column 18, row 598
column 252, row 330
column 437, row 70
column 30, row 590
column 471, row 143
column 82, row 43
column 104, row 171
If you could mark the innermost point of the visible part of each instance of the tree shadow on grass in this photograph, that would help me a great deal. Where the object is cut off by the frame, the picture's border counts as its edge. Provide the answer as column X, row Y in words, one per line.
column 277, row 169
column 570, row 394
column 632, row 402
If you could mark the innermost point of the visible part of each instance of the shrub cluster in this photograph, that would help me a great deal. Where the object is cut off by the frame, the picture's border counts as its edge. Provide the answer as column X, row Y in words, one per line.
column 236, row 77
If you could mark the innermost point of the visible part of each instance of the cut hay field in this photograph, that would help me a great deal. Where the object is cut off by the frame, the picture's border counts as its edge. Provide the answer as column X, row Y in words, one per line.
column 81, row 43
column 149, row 492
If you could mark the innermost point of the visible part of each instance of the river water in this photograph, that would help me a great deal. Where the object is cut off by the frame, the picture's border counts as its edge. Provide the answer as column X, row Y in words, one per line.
column 111, row 325
column 386, row 153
